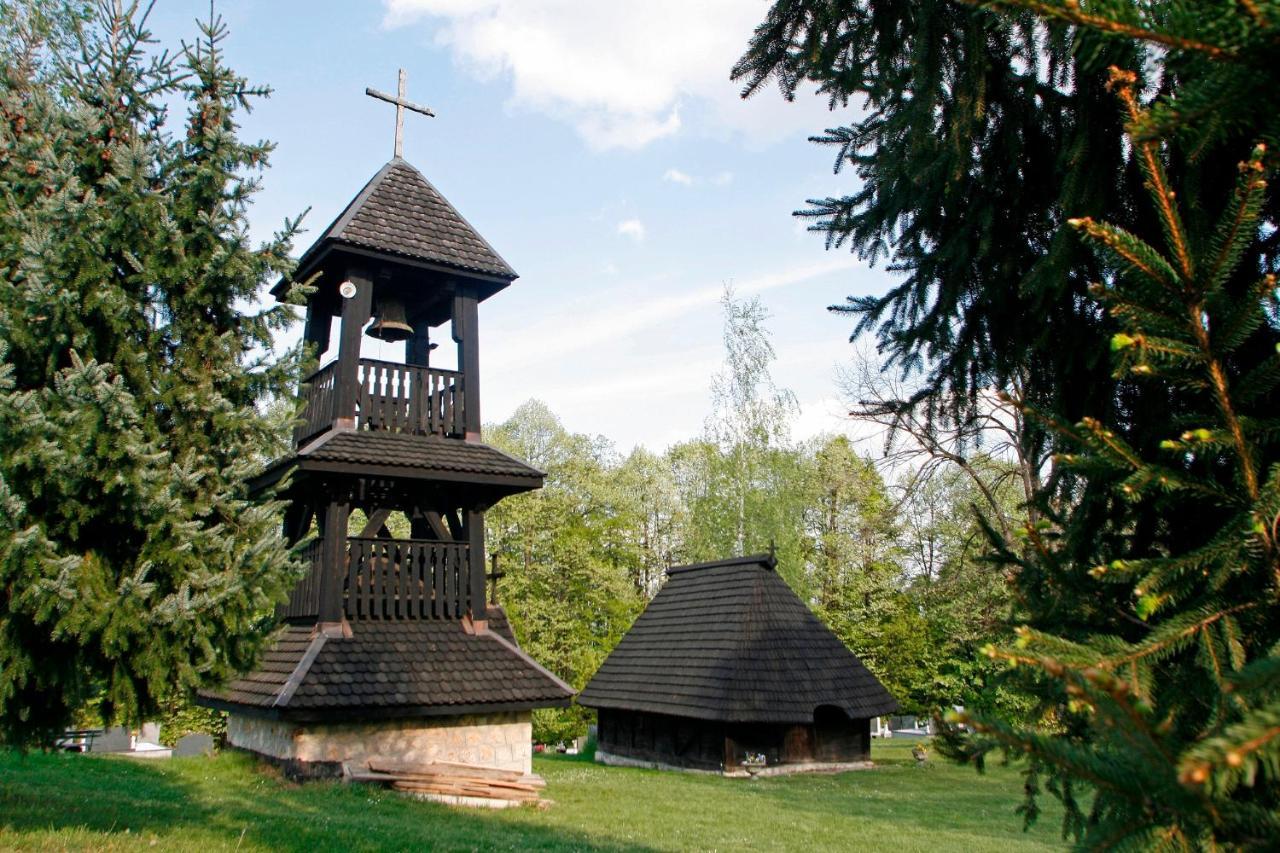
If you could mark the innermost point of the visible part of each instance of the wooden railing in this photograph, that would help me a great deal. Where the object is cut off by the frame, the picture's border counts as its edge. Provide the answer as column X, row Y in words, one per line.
column 406, row 579
column 320, row 390
column 390, row 396
column 409, row 398
column 304, row 602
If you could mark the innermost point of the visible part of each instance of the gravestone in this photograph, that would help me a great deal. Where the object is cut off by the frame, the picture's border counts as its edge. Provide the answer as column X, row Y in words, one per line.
column 114, row 739
column 196, row 743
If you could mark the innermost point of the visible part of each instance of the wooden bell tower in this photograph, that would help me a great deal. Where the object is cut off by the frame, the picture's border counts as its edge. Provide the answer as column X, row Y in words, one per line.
column 383, row 626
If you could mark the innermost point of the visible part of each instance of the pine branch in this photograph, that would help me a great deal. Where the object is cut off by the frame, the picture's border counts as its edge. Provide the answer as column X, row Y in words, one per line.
column 1239, row 223
column 1123, row 83
column 1172, row 635
column 1069, row 11
column 1235, row 756
column 1129, row 250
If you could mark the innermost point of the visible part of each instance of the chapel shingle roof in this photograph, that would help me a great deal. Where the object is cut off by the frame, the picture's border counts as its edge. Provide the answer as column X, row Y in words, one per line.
column 401, row 213
column 394, row 668
column 730, row 641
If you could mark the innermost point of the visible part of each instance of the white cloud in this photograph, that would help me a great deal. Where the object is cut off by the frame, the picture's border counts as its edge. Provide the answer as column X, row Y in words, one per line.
column 666, row 381
column 829, row 415
column 617, row 317
column 676, row 176
column 619, row 73
column 632, row 228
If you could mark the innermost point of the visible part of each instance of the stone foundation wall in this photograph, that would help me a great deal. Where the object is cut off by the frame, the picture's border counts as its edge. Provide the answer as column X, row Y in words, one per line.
column 490, row 740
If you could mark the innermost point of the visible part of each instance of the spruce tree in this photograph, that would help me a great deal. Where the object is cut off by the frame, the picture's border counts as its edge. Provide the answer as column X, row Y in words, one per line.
column 1169, row 717
column 1147, row 589
column 971, row 136
column 133, row 382
column 1174, row 724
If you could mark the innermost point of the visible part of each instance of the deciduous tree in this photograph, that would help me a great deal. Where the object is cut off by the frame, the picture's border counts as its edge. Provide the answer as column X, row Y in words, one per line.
column 567, row 553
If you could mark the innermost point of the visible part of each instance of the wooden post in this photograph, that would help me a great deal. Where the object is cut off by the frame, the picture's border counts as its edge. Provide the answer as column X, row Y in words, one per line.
column 417, row 347
column 466, row 332
column 333, row 559
column 422, row 403
column 356, row 310
column 315, row 336
column 475, row 566
column 316, row 328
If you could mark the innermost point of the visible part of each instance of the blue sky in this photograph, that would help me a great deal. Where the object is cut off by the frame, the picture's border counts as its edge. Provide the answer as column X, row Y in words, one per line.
column 602, row 149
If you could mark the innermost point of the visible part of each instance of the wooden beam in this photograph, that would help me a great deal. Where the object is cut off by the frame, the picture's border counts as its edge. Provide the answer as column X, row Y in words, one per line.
column 455, row 526
column 436, row 525
column 356, row 310
column 377, row 519
column 417, row 347
column 316, row 331
column 333, row 559
column 297, row 520
column 418, row 526
column 475, row 539
column 466, row 332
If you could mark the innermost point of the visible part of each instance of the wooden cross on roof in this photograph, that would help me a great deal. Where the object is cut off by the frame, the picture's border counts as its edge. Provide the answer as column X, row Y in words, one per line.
column 402, row 104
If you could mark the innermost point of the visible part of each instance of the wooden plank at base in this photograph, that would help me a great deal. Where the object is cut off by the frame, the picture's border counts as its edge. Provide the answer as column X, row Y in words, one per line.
column 479, row 770
column 480, row 791
column 477, row 784
column 442, row 768
column 371, row 776
column 450, row 779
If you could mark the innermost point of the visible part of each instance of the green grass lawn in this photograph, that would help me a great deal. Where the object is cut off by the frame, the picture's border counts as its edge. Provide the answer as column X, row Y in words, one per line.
column 57, row 802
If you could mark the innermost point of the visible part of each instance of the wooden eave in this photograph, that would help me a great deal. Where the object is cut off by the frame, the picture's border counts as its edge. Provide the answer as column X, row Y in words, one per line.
column 356, row 714
column 277, row 472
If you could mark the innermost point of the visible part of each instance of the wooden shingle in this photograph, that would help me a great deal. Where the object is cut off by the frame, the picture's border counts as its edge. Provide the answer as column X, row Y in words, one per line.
column 390, row 669
column 426, row 452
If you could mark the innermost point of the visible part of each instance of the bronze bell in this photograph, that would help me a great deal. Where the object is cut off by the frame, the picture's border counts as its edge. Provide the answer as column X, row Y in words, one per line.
column 389, row 322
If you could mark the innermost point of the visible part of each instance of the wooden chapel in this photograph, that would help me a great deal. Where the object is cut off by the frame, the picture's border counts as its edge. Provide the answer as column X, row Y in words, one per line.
column 729, row 671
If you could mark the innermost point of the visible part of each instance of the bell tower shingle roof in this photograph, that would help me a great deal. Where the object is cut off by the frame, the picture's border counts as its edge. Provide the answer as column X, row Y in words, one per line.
column 400, row 214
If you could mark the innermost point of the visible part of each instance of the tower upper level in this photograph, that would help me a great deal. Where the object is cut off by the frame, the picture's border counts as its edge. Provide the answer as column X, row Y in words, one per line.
column 398, row 261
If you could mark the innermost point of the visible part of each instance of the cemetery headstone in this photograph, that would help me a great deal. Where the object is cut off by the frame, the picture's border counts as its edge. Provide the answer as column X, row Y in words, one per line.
column 196, row 743
column 114, row 739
